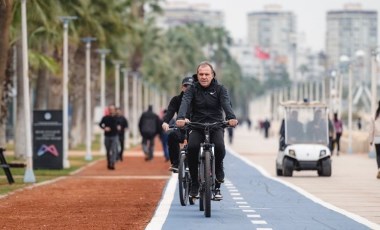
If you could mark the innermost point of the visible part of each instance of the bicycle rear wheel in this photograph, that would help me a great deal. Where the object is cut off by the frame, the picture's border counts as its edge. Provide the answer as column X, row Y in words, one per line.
column 183, row 180
column 207, row 184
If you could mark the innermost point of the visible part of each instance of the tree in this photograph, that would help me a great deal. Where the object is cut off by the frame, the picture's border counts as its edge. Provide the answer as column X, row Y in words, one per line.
column 5, row 24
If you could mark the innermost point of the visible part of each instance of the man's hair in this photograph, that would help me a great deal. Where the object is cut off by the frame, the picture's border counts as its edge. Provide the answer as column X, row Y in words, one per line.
column 206, row 63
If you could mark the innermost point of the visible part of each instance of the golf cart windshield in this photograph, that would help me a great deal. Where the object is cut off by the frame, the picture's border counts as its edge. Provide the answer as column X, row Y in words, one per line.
column 306, row 125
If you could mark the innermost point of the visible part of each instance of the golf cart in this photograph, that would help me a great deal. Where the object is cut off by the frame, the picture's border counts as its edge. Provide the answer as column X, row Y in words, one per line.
column 304, row 139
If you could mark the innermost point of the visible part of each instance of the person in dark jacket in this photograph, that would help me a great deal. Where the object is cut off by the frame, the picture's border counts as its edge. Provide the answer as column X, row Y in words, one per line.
column 111, row 139
column 149, row 126
column 208, row 100
column 122, row 124
column 177, row 136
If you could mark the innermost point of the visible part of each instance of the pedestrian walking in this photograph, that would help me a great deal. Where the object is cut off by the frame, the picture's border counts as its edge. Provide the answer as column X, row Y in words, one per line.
column 359, row 123
column 374, row 135
column 266, row 126
column 149, row 127
column 164, row 136
column 338, row 126
column 122, row 125
column 331, row 135
column 111, row 139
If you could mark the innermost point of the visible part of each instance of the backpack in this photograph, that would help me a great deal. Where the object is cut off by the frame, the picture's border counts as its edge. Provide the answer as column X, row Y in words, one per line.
column 149, row 126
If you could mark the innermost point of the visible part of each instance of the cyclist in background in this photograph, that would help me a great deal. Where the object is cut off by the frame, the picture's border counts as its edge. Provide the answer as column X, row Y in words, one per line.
column 177, row 136
column 208, row 99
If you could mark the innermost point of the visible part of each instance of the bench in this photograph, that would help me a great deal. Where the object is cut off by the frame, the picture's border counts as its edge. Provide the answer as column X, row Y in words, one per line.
column 6, row 166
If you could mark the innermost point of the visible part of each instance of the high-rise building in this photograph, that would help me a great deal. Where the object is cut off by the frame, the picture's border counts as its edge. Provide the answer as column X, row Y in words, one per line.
column 181, row 13
column 274, row 31
column 348, row 31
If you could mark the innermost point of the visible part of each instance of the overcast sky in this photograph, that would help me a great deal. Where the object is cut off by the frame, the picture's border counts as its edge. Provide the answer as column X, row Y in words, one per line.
column 311, row 15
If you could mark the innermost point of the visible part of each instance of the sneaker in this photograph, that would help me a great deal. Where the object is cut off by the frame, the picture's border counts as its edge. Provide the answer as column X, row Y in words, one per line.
column 194, row 190
column 219, row 176
column 217, row 194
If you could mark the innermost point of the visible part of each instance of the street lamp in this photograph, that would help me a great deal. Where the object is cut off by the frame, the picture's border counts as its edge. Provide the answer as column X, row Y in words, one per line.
column 375, row 60
column 65, row 97
column 29, row 174
column 125, row 72
column 345, row 59
column 117, row 64
column 103, row 53
column 87, row 41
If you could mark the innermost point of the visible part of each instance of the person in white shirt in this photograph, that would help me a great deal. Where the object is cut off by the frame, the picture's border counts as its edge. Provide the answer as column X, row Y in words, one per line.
column 374, row 137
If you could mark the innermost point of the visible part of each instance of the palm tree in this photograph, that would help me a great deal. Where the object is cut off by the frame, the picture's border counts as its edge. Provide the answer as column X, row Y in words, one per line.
column 5, row 23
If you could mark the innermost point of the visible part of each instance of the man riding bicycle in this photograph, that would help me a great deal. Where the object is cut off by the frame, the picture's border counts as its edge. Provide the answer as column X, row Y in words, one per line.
column 208, row 99
column 177, row 136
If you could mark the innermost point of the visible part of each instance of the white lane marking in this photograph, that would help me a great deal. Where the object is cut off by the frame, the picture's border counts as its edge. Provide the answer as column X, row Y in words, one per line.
column 253, row 216
column 248, row 210
column 244, row 206
column 259, row 222
column 264, row 229
column 241, row 202
column 353, row 216
column 235, row 194
column 234, row 190
column 163, row 208
column 237, row 198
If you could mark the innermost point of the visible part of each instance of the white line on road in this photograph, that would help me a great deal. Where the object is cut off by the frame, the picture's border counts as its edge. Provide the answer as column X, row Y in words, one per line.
column 162, row 211
column 253, row 216
column 259, row 222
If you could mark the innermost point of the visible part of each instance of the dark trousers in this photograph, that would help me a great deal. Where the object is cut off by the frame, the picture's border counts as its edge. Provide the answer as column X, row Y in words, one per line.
column 337, row 141
column 195, row 139
column 121, row 140
column 111, row 144
column 174, row 139
column 377, row 147
column 148, row 147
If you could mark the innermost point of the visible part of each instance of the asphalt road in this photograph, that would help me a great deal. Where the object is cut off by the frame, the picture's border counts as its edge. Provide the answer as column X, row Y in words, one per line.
column 253, row 199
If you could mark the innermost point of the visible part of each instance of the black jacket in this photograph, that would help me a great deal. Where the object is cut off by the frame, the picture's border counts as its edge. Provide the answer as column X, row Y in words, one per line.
column 109, row 121
column 173, row 108
column 149, row 124
column 207, row 104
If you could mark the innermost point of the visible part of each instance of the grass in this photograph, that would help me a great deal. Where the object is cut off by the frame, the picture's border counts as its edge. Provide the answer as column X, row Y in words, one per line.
column 41, row 175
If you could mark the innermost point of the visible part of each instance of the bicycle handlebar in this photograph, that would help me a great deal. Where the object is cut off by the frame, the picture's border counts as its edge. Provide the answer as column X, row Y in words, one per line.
column 221, row 124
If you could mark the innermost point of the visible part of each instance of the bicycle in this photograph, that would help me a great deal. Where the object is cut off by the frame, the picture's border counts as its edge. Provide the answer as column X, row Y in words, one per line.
column 184, row 179
column 206, row 165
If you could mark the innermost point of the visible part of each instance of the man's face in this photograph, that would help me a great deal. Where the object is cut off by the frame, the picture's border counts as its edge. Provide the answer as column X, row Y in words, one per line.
column 112, row 110
column 205, row 75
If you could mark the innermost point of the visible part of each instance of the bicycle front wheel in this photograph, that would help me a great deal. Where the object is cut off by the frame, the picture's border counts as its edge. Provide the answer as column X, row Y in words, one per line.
column 207, row 184
column 183, row 180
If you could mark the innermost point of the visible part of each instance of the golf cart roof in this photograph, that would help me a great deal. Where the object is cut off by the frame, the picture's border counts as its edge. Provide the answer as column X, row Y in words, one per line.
column 302, row 104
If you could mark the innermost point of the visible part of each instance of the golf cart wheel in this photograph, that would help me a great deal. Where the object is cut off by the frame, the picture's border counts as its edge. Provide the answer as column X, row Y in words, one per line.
column 278, row 171
column 325, row 169
column 288, row 165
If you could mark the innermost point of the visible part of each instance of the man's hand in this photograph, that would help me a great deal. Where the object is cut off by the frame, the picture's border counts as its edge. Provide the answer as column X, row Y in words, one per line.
column 180, row 123
column 165, row 126
column 233, row 122
column 107, row 129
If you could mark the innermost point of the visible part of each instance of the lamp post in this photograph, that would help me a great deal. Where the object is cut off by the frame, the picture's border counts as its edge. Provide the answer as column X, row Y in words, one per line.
column 29, row 174
column 126, row 103
column 117, row 64
column 375, row 59
column 346, row 60
column 65, row 94
column 103, row 53
column 87, row 41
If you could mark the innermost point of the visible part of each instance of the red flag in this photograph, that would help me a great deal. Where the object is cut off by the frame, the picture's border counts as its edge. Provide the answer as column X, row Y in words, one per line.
column 260, row 54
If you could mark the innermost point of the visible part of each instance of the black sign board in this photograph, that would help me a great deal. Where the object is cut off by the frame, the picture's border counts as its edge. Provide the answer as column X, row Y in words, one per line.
column 47, row 139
